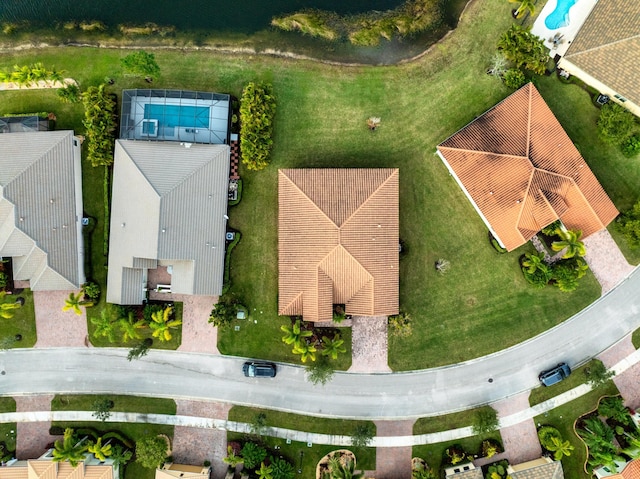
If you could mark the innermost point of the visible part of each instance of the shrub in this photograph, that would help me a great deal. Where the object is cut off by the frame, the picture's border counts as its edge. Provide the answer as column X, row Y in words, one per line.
column 629, row 224
column 597, row 374
column 69, row 94
column 253, row 455
column 514, row 78
column 455, row 454
column 546, row 434
column 495, row 244
column 282, row 469
column 100, row 122
column 631, row 146
column 224, row 312
column 490, row 448
column 363, row 434
column 524, row 49
column 485, row 421
column 567, row 273
column 91, row 291
column 615, row 123
column 400, row 325
column 151, row 451
column 257, row 112
column 141, row 64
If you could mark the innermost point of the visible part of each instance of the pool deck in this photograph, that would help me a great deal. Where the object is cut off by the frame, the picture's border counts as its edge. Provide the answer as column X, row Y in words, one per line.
column 578, row 13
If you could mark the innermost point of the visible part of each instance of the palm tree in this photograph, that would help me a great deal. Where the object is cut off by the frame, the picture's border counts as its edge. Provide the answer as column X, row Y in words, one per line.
column 614, row 408
column 524, row 7
column 560, row 448
column 130, row 328
column 533, row 261
column 73, row 302
column 306, row 351
column 570, row 240
column 161, row 325
column 104, row 326
column 69, row 449
column 265, row 471
column 97, row 449
column 7, row 310
column 294, row 333
column 346, row 470
column 120, row 456
column 332, row 347
column 232, row 459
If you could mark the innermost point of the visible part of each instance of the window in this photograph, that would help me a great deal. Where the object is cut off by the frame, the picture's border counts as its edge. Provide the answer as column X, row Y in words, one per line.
column 621, row 98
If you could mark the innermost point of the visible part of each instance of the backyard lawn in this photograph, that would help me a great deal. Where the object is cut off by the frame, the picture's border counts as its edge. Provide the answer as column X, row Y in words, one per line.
column 482, row 304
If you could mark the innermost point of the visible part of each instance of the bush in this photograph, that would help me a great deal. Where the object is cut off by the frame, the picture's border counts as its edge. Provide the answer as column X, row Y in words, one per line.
column 253, row 455
column 455, row 454
column 514, row 78
column 363, row 434
column 631, row 146
column 597, row 374
column 91, row 291
column 224, row 312
column 567, row 273
column 100, row 122
column 282, row 469
column 485, row 421
column 141, row 64
column 151, row 451
column 615, row 123
column 629, row 224
column 400, row 325
column 257, row 112
column 546, row 434
column 226, row 282
column 69, row 94
column 524, row 49
column 490, row 448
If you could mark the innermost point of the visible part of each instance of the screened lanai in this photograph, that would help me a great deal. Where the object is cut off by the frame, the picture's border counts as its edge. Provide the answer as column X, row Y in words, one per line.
column 175, row 115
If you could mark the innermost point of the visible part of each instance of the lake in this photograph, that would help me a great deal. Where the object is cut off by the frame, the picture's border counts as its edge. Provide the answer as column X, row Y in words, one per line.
column 240, row 16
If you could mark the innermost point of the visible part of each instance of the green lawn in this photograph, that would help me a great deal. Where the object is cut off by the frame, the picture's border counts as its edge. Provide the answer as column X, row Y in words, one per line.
column 427, row 425
column 133, row 431
column 139, row 404
column 482, row 304
column 8, row 429
column 294, row 421
column 578, row 377
column 433, row 453
column 23, row 322
column 563, row 418
column 298, row 452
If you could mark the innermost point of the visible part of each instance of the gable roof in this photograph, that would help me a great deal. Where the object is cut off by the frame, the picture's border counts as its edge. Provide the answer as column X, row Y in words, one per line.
column 169, row 204
column 338, row 241
column 41, row 208
column 607, row 47
column 47, row 469
column 522, row 171
column 549, row 470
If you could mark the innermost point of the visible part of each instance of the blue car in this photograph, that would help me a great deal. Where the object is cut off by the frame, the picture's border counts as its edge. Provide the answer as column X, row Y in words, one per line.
column 258, row 369
column 555, row 375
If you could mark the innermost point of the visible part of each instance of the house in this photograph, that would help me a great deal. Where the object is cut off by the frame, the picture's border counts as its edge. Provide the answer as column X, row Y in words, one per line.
column 169, row 206
column 605, row 53
column 541, row 468
column 338, row 242
column 45, row 468
column 623, row 470
column 41, row 208
column 464, row 471
column 182, row 471
column 522, row 172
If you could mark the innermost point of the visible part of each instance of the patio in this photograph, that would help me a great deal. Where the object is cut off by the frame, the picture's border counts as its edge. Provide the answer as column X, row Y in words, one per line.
column 558, row 40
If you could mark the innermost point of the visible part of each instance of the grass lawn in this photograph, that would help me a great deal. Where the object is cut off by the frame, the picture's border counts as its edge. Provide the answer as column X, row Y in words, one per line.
column 133, row 470
column 23, row 322
column 434, row 453
column 563, row 418
column 482, row 304
column 139, row 404
column 8, row 429
column 578, row 377
column 298, row 452
column 427, row 425
column 635, row 338
column 295, row 422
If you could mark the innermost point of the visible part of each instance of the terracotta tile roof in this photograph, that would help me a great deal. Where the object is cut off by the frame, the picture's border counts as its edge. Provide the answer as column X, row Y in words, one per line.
column 631, row 471
column 47, row 469
column 523, row 172
column 607, row 47
column 338, row 241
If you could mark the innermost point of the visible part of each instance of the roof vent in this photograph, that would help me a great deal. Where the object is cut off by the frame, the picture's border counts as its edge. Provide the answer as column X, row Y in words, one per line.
column 164, row 230
column 123, row 225
column 491, row 192
column 188, row 145
column 22, row 218
column 51, row 200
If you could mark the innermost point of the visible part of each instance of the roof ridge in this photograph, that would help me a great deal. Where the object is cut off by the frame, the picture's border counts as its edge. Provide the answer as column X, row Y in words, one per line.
column 37, row 160
column 575, row 185
column 373, row 193
column 467, row 150
column 602, row 46
column 218, row 152
column 136, row 166
column 523, row 202
column 529, row 123
column 307, row 197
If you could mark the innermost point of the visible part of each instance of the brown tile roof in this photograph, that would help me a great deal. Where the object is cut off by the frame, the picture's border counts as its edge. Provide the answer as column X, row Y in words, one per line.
column 631, row 471
column 523, row 172
column 607, row 47
column 552, row 470
column 338, row 241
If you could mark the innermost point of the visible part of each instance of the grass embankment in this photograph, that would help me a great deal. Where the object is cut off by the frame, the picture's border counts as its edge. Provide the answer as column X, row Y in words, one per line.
column 23, row 322
column 563, row 418
column 483, row 303
column 8, row 429
column 143, row 405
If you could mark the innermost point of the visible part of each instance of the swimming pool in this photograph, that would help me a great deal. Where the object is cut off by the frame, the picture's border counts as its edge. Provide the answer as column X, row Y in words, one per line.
column 178, row 115
column 560, row 16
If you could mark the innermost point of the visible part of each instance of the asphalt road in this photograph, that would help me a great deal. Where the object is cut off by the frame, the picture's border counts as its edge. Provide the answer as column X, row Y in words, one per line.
column 181, row 375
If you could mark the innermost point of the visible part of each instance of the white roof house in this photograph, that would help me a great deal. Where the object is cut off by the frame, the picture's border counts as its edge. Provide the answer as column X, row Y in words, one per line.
column 169, row 205
column 41, row 208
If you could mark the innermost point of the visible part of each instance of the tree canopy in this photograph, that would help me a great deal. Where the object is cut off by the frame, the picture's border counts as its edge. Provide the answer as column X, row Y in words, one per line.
column 524, row 49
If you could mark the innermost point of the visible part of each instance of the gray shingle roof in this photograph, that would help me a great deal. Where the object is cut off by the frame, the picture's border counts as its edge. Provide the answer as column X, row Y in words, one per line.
column 168, row 205
column 41, row 208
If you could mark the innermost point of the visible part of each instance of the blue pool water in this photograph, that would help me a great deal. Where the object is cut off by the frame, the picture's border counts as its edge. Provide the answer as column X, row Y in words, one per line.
column 560, row 16
column 178, row 115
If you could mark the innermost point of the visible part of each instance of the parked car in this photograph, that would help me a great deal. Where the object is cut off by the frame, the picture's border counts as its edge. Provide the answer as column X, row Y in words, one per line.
column 555, row 375
column 258, row 369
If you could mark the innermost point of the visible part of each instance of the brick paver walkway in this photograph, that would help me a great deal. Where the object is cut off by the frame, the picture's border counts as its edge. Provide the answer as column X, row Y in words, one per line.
column 194, row 446
column 606, row 261
column 55, row 328
column 33, row 437
column 520, row 441
column 393, row 462
column 369, row 344
column 198, row 335
column 628, row 383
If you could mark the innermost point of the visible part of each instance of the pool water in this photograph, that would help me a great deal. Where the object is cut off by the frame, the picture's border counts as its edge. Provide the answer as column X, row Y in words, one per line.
column 560, row 16
column 178, row 115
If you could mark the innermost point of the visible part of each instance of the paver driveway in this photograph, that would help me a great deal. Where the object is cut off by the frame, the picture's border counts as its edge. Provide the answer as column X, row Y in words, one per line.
column 55, row 328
